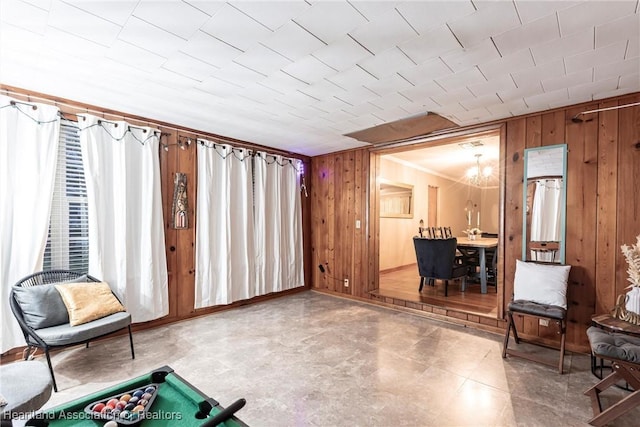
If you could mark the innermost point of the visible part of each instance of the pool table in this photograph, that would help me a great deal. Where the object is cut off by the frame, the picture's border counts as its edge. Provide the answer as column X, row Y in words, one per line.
column 176, row 403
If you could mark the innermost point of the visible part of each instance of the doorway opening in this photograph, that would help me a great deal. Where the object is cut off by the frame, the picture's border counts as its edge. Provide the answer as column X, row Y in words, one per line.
column 456, row 185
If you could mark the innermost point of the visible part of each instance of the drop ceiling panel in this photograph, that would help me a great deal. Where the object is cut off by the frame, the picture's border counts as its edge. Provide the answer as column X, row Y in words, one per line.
column 492, row 86
column 175, row 16
column 309, row 69
column 565, row 46
column 541, row 72
column 384, row 32
column 626, row 28
column 430, row 45
column 292, row 41
column 390, row 84
column 585, row 91
column 262, row 59
column 352, row 78
column 342, row 54
column 604, row 55
column 424, row 91
column 578, row 78
column 330, row 20
column 24, row 15
column 425, row 16
column 543, row 100
column 492, row 20
column 508, row 64
column 134, row 56
column 425, row 72
column 146, row 36
column 272, row 14
column 210, row 50
column 82, row 24
column 189, row 66
column 536, row 32
column 467, row 58
column 379, row 65
column 464, row 78
column 615, row 69
column 235, row 28
column 592, row 13
column 116, row 12
column 207, row 6
column 532, row 10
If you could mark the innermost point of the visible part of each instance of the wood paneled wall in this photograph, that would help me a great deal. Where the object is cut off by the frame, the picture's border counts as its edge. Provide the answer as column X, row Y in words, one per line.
column 603, row 210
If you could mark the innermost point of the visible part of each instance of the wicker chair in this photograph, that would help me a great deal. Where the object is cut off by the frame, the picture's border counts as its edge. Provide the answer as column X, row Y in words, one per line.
column 51, row 330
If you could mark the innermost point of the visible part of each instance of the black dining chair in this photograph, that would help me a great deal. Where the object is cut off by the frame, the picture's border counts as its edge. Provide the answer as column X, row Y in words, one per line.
column 437, row 261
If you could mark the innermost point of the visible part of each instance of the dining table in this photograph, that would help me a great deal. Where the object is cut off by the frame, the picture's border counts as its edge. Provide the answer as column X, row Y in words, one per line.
column 481, row 244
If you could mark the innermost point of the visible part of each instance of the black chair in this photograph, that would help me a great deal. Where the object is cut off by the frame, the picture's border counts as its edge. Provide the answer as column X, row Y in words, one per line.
column 43, row 320
column 437, row 260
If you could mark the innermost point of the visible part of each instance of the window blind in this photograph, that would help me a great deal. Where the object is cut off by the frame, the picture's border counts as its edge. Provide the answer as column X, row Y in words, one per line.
column 68, row 242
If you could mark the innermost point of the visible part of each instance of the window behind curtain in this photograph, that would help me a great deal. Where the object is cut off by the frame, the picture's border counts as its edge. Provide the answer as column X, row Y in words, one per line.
column 68, row 243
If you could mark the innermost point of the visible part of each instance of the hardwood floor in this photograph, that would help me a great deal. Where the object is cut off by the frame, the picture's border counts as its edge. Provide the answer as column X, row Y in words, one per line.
column 403, row 283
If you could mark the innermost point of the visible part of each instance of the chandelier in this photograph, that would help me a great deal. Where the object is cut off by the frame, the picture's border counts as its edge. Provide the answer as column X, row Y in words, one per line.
column 477, row 175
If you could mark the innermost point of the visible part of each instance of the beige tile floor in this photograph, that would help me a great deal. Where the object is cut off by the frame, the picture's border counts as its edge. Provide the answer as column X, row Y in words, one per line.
column 311, row 359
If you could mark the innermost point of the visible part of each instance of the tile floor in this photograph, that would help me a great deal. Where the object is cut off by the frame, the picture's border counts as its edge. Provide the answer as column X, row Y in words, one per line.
column 310, row 359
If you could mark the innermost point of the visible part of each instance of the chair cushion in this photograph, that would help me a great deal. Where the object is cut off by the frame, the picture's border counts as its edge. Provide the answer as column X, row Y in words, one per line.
column 535, row 309
column 26, row 386
column 42, row 305
column 88, row 301
column 541, row 283
column 614, row 345
column 67, row 334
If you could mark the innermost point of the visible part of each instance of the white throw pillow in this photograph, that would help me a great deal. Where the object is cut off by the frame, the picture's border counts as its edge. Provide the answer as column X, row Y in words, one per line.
column 541, row 283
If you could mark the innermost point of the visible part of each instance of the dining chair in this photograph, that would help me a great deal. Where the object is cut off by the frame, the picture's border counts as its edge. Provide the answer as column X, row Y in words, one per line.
column 436, row 261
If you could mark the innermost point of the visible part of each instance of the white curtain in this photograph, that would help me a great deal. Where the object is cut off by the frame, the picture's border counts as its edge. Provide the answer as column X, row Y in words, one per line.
column 28, row 158
column 225, row 268
column 278, row 219
column 126, row 227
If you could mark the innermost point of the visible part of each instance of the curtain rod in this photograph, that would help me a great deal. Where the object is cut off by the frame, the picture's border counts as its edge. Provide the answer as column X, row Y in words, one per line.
column 220, row 139
column 576, row 119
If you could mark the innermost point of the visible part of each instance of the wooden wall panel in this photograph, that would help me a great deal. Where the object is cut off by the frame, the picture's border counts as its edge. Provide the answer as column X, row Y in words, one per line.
column 603, row 210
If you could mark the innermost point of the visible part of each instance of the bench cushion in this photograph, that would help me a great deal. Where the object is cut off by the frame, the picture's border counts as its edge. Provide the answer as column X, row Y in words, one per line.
column 535, row 309
column 42, row 305
column 613, row 345
column 67, row 334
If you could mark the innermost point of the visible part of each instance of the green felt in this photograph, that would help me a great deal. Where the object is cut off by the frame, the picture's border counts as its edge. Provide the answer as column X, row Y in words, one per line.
column 175, row 404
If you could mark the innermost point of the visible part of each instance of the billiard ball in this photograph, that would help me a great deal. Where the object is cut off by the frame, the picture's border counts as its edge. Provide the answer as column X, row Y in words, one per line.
column 112, row 402
column 121, row 404
column 98, row 407
column 111, row 424
column 125, row 397
column 150, row 389
column 143, row 402
column 146, row 396
column 125, row 414
column 129, row 407
column 138, row 408
column 138, row 393
column 134, row 399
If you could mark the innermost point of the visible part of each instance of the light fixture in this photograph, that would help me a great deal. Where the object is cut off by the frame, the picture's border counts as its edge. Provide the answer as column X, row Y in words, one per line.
column 477, row 175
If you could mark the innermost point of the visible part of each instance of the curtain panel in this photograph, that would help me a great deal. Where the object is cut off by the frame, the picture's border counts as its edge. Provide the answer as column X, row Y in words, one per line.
column 28, row 157
column 126, row 226
column 249, row 225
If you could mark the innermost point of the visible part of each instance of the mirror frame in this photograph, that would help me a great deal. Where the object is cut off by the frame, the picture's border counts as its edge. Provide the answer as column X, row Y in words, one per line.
column 563, row 201
column 408, row 187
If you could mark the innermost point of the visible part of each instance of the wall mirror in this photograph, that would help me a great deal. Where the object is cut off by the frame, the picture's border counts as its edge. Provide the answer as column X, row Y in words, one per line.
column 544, row 198
column 396, row 199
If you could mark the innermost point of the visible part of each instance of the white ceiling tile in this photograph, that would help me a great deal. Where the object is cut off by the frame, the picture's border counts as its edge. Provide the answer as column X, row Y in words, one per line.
column 283, row 83
column 362, row 109
column 329, row 105
column 463, row 59
column 174, row 16
column 425, row 72
column 322, row 89
column 528, row 89
column 633, row 49
column 330, row 20
column 151, row 38
column 391, row 114
column 384, row 32
column 272, row 14
column 564, row 46
column 390, row 84
column 372, row 9
column 463, row 78
column 481, row 102
column 342, row 54
column 579, row 77
column 604, row 55
column 392, row 100
column 531, row 34
column 473, row 116
column 117, row 12
column 616, row 69
column 627, row 28
column 121, row 51
column 617, row 92
column 82, row 48
column 452, row 97
column 507, row 109
column 357, row 96
column 489, row 21
column 218, row 87
column 503, row 82
column 351, row 78
column 238, row 74
column 24, row 15
column 75, row 21
column 207, row 6
column 430, row 45
column 20, row 39
column 210, row 50
column 587, row 90
column 426, row 15
column 235, row 28
column 543, row 100
column 506, row 65
column 592, row 13
column 42, row 4
column 259, row 93
column 292, row 41
column 262, row 59
column 367, row 121
column 386, row 63
column 631, row 82
column 532, row 10
column 540, row 72
column 297, row 99
column 189, row 66
column 339, row 116
column 309, row 69
column 422, row 92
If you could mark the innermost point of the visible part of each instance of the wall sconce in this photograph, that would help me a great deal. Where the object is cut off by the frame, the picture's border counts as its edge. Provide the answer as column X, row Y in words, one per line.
column 179, row 208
